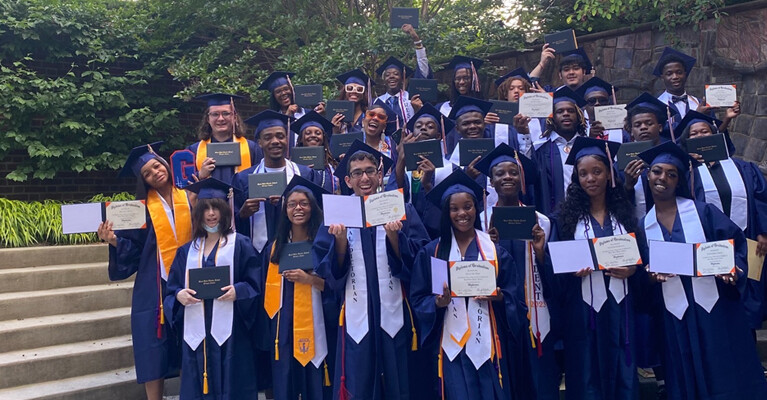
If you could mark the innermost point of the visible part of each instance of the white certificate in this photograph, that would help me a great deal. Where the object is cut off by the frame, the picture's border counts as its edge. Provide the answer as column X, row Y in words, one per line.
column 715, row 258
column 570, row 256
column 345, row 210
column 611, row 117
column 384, row 207
column 126, row 214
column 721, row 95
column 80, row 218
column 472, row 278
column 438, row 275
column 617, row 251
column 755, row 262
column 671, row 258
column 536, row 105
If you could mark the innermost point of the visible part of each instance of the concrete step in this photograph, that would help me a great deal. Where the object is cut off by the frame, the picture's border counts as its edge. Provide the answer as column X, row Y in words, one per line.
column 63, row 328
column 53, row 255
column 43, row 364
column 761, row 344
column 115, row 384
column 42, row 303
column 53, row 277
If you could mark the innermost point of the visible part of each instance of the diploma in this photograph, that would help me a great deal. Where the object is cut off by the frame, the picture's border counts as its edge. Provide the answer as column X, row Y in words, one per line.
column 267, row 184
column 505, row 110
column 630, row 151
column 430, row 149
column 611, row 117
column 226, row 154
column 126, row 214
column 570, row 256
column 208, row 281
column 561, row 41
column 469, row 149
column 344, row 107
column 309, row 155
column 81, row 218
column 755, row 263
column 472, row 278
column 426, row 88
column 672, row 258
column 403, row 15
column 715, row 258
column 308, row 96
column 514, row 223
column 616, row 251
column 711, row 147
column 536, row 105
column 297, row 255
column 721, row 95
column 384, row 207
column 342, row 210
column 438, row 275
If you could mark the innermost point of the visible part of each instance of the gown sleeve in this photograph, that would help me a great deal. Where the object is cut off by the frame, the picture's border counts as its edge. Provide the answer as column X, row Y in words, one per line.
column 124, row 259
column 428, row 316
column 326, row 261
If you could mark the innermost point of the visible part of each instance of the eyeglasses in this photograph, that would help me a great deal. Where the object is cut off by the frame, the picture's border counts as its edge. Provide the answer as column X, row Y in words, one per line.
column 379, row 116
column 293, row 204
column 355, row 89
column 357, row 173
column 215, row 115
column 597, row 100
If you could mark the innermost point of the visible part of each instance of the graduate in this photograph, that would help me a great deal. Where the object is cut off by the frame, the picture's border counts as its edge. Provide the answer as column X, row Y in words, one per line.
column 217, row 354
column 738, row 189
column 469, row 117
column 674, row 68
column 302, row 314
column 314, row 130
column 598, row 306
column 255, row 219
column 369, row 270
column 470, row 352
column 551, row 152
column 281, row 96
column 597, row 92
column 465, row 81
column 155, row 344
column 574, row 68
column 530, row 341
column 221, row 124
column 394, row 73
column 357, row 87
column 511, row 87
column 708, row 350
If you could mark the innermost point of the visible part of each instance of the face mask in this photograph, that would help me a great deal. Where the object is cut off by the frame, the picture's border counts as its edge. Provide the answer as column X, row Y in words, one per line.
column 210, row 229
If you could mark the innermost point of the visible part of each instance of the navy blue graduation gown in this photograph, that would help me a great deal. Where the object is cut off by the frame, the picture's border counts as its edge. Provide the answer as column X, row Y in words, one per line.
column 225, row 174
column 290, row 378
column 599, row 346
column 550, row 189
column 709, row 355
column 377, row 367
column 136, row 253
column 532, row 376
column 461, row 379
column 232, row 374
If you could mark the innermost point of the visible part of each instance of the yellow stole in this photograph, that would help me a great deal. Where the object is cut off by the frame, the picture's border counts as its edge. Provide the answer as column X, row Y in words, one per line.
column 167, row 241
column 303, row 319
column 202, row 153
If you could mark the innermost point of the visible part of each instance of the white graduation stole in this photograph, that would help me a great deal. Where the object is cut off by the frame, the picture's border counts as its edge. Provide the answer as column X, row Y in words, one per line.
column 704, row 288
column 194, row 314
column 739, row 201
column 258, row 231
column 318, row 319
column 593, row 286
column 641, row 204
column 540, row 320
column 356, row 293
column 469, row 327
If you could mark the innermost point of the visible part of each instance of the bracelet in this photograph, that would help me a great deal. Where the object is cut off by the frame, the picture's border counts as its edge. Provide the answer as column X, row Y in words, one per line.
column 418, row 42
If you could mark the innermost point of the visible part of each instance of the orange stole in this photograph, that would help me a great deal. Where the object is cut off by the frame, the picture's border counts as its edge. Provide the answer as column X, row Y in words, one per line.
column 303, row 319
column 202, row 153
column 167, row 242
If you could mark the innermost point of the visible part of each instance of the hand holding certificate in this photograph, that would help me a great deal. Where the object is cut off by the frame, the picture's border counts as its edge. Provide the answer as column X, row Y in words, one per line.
column 598, row 253
column 721, row 95
column 611, row 117
column 472, row 278
column 536, row 105
column 84, row 218
column 693, row 259
column 616, row 251
column 384, row 207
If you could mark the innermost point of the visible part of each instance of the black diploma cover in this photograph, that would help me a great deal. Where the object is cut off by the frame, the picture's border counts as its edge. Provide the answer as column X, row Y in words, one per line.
column 431, row 149
column 226, row 154
column 506, row 111
column 263, row 185
column 208, row 281
column 340, row 142
column 514, row 223
column 427, row 88
column 308, row 96
column 561, row 41
column 296, row 255
column 309, row 155
column 711, row 148
column 344, row 107
column 630, row 151
column 471, row 148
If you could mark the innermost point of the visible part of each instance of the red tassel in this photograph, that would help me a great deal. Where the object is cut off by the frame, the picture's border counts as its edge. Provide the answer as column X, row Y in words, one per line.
column 538, row 344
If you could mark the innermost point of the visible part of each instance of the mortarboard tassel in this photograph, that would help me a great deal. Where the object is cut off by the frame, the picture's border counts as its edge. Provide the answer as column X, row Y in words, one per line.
column 414, row 345
column 327, row 375
column 615, row 99
column 670, row 127
column 277, row 339
column 474, row 79
column 205, row 370
column 484, row 205
column 234, row 113
column 292, row 91
column 610, row 162
column 369, row 91
column 442, row 128
column 343, row 394
column 521, row 173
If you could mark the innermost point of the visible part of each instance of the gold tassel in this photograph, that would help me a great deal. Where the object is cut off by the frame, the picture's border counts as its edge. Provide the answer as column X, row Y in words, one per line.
column 205, row 383
column 414, row 345
column 327, row 375
column 532, row 336
column 205, row 371
column 341, row 316
column 162, row 315
column 277, row 339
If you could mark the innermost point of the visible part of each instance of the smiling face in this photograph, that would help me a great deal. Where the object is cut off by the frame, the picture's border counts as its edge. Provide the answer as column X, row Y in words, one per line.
column 505, row 179
column 393, row 79
column 596, row 98
column 425, row 128
column 593, row 176
column 462, row 212
column 375, row 121
column 471, row 125
column 283, row 95
column 364, row 177
column 517, row 88
column 674, row 77
column 299, row 208
column 221, row 119
column 700, row 129
column 565, row 117
column 462, row 81
column 313, row 136
column 274, row 142
column 354, row 92
column 646, row 127
column 572, row 75
column 212, row 216
column 663, row 179
column 155, row 174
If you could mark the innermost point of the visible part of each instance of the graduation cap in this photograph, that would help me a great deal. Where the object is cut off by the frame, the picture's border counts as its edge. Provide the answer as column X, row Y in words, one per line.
column 210, row 188
column 646, row 100
column 595, row 84
column 275, row 80
column 267, row 119
column 693, row 117
column 517, row 73
column 577, row 56
column 466, row 104
column 505, row 153
column 312, row 118
column 428, row 111
column 566, row 94
column 393, row 62
column 586, row 146
column 218, row 99
column 470, row 63
column 299, row 182
column 359, row 147
column 138, row 157
column 354, row 76
column 457, row 182
column 392, row 119
column 670, row 55
column 670, row 153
